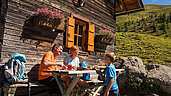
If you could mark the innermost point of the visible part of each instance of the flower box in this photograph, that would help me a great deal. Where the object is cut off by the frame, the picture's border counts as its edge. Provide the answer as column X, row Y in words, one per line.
column 44, row 22
column 105, row 39
column 105, row 36
column 47, row 18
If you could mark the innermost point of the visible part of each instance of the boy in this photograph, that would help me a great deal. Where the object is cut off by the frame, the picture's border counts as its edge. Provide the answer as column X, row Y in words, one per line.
column 111, row 84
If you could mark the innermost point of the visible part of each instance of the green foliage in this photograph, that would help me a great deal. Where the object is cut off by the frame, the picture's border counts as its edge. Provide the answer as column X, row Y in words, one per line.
column 135, row 27
column 119, row 28
column 143, row 26
column 129, row 22
column 151, row 49
column 165, row 17
column 151, row 16
column 154, row 26
column 164, row 28
column 146, row 25
column 168, row 20
column 126, row 26
column 152, row 44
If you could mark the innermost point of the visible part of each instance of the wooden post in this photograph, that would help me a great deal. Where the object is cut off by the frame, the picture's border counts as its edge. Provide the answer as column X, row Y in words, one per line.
column 71, row 86
column 114, row 43
column 59, row 82
column 1, row 91
column 11, row 91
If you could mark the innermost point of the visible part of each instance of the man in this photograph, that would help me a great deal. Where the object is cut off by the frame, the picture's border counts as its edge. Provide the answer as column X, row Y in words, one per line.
column 49, row 63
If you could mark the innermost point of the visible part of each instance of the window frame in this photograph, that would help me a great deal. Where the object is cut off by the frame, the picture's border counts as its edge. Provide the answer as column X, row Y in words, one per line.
column 84, row 25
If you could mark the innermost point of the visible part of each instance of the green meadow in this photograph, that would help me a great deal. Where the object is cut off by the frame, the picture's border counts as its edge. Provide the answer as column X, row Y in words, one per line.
column 146, row 34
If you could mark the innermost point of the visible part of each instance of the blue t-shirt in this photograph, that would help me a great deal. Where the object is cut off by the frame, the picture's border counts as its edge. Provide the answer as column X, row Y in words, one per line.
column 68, row 60
column 111, row 72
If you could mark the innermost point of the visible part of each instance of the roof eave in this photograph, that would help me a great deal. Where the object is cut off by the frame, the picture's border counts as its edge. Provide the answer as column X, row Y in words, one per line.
column 130, row 11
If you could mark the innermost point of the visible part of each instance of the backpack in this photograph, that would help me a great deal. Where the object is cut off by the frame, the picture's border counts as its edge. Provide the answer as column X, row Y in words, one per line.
column 15, row 71
column 86, row 76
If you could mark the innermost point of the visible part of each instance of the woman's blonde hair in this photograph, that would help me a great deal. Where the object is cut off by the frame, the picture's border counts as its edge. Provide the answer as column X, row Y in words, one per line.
column 111, row 56
column 74, row 49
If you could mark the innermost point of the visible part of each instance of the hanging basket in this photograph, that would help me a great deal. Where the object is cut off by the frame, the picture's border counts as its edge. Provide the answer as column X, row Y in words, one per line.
column 104, row 39
column 44, row 21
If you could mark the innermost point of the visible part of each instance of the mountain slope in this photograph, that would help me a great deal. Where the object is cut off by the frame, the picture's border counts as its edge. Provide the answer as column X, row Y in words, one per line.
column 151, row 49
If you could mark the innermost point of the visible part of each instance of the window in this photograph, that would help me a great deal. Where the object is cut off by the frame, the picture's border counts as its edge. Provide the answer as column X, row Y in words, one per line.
column 80, row 28
column 80, row 33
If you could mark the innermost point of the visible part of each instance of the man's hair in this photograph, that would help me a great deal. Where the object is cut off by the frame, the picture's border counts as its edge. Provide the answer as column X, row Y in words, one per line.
column 111, row 56
column 57, row 45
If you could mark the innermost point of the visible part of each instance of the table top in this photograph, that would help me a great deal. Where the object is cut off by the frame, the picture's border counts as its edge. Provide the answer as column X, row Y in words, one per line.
column 76, row 71
column 71, row 71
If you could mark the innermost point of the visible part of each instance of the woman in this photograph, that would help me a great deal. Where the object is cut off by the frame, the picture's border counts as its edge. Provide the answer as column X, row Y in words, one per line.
column 73, row 61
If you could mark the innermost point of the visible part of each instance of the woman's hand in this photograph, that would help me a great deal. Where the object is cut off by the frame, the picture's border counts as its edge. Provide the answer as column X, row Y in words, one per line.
column 74, row 67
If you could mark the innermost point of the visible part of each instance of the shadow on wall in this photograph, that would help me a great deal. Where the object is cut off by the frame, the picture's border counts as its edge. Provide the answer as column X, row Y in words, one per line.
column 33, row 73
column 2, row 76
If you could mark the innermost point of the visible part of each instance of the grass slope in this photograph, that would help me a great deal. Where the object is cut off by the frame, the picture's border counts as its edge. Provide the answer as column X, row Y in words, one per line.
column 151, row 49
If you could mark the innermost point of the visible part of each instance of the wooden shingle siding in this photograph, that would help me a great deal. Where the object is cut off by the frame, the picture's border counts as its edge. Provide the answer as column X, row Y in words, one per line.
column 96, row 11
column 16, row 13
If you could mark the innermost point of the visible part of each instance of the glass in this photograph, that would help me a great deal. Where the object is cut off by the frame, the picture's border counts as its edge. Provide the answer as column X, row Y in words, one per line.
column 80, row 30
column 75, row 40
column 79, row 41
column 69, row 67
column 76, row 27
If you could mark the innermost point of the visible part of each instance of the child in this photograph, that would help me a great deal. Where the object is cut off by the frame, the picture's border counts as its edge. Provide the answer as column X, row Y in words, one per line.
column 111, row 84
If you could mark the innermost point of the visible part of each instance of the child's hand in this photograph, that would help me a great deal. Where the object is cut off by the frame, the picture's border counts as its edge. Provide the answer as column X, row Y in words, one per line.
column 106, row 93
column 95, row 66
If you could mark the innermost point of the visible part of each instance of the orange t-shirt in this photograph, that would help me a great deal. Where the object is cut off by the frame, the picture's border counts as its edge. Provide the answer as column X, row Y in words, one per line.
column 48, row 56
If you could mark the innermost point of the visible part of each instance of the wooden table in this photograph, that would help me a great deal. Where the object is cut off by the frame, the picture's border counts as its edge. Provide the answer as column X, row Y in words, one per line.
column 76, row 73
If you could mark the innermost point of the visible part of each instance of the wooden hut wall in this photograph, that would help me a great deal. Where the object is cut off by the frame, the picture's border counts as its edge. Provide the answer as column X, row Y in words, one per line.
column 17, row 11
column 3, row 6
column 99, row 12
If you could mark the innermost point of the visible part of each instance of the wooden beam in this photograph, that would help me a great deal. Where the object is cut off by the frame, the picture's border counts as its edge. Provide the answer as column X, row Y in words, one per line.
column 141, row 3
column 120, row 3
column 131, row 11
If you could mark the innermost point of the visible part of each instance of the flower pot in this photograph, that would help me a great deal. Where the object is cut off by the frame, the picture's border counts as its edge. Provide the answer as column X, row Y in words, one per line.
column 104, row 39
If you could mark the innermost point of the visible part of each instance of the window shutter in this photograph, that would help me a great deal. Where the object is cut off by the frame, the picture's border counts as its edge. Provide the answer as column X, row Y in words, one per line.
column 91, row 33
column 70, row 32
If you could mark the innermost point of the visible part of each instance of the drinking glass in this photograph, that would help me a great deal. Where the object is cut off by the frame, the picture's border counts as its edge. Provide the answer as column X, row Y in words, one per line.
column 69, row 67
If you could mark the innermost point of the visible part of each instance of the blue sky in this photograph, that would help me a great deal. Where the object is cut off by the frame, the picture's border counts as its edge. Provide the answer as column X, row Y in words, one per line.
column 159, row 2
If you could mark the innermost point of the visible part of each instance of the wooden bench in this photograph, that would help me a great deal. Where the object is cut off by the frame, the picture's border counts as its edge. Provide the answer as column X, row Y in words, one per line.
column 11, row 89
